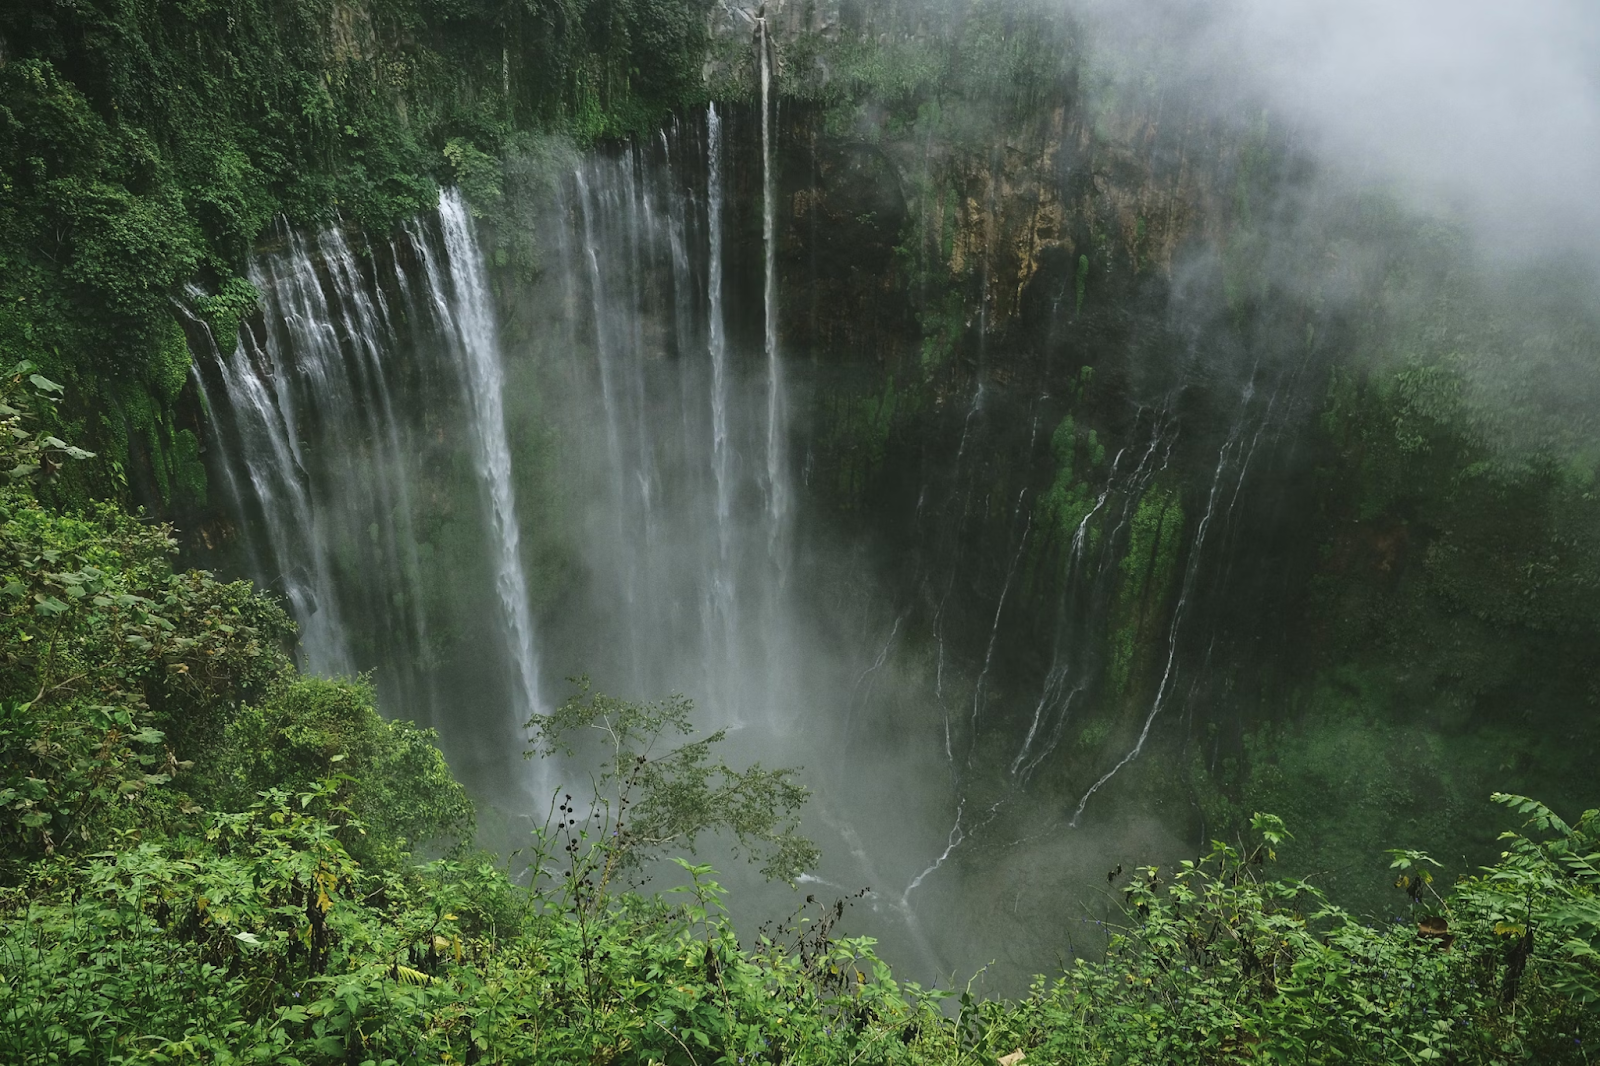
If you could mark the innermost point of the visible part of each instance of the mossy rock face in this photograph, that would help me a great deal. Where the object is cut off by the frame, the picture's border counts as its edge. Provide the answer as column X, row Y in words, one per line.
column 1146, row 582
column 188, row 478
column 169, row 367
column 234, row 301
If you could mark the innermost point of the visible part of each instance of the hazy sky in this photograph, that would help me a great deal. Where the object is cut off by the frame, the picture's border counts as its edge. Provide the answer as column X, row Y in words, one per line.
column 1493, row 107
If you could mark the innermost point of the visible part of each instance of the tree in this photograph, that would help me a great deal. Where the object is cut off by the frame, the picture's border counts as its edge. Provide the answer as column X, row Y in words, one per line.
column 651, row 794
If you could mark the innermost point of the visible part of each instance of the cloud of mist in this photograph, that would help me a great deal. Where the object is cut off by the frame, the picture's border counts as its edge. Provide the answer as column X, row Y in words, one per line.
column 1486, row 110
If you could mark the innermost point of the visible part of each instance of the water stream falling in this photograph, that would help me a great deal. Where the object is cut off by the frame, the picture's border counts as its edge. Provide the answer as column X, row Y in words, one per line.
column 472, row 317
column 1174, row 631
column 723, row 595
column 342, row 416
column 367, row 420
column 680, row 406
column 777, row 488
column 994, row 629
column 1235, row 452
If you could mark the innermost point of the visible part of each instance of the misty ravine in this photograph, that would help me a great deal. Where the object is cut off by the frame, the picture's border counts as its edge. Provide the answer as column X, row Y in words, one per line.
column 670, row 532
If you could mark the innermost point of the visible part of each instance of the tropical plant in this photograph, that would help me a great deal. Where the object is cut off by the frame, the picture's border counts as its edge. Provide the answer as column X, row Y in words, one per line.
column 656, row 790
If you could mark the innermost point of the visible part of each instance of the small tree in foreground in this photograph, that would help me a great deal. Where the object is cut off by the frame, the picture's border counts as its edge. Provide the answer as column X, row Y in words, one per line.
column 659, row 788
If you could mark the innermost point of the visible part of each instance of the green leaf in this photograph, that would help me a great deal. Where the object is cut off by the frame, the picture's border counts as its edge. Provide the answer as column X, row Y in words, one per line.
column 48, row 606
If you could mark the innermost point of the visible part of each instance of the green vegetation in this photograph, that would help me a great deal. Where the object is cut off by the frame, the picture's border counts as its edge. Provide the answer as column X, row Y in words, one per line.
column 962, row 68
column 1451, row 615
column 208, row 858
column 860, row 432
column 651, row 797
column 111, row 661
column 1070, row 500
column 1145, row 581
column 307, row 730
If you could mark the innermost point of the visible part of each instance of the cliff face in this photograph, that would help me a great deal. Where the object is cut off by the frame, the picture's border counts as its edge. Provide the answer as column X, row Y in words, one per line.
column 1008, row 291
column 1000, row 297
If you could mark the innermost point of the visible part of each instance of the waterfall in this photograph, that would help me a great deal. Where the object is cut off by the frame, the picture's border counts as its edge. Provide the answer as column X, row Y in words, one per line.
column 1186, row 590
column 378, row 433
column 1082, row 610
column 200, row 334
column 675, row 399
column 1051, row 698
column 777, row 490
column 994, row 629
column 858, row 695
column 956, row 838
column 365, row 426
column 589, row 207
column 1087, row 592
column 724, row 596
column 367, row 321
column 340, row 418
column 473, row 317
column 266, row 382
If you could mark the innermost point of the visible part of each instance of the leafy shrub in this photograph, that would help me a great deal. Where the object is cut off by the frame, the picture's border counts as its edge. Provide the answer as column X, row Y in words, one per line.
column 652, row 796
column 114, row 670
column 258, row 938
column 307, row 729
column 1219, row 964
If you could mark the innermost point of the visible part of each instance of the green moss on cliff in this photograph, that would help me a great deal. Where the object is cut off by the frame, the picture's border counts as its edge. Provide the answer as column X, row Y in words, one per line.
column 858, row 436
column 234, row 301
column 942, row 324
column 1070, row 499
column 1145, row 583
column 1067, row 505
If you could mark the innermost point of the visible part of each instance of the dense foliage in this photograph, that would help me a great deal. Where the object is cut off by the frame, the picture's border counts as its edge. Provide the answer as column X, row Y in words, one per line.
column 1450, row 616
column 112, row 663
